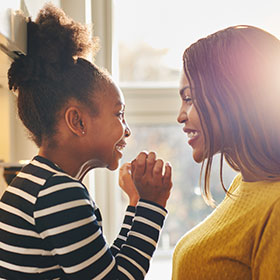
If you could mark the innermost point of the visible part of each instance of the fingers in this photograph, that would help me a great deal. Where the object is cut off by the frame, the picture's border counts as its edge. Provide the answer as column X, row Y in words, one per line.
column 149, row 180
column 133, row 164
column 150, row 163
column 147, row 164
column 140, row 165
column 157, row 170
column 167, row 176
column 125, row 168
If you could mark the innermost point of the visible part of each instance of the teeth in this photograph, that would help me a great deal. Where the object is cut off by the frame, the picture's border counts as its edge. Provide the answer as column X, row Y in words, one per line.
column 120, row 147
column 192, row 134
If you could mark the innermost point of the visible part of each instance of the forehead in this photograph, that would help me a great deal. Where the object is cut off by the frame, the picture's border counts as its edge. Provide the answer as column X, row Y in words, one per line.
column 184, row 85
column 183, row 80
column 116, row 93
column 111, row 95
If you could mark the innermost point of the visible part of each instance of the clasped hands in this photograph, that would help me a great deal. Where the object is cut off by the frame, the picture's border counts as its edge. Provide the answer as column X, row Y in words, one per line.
column 144, row 178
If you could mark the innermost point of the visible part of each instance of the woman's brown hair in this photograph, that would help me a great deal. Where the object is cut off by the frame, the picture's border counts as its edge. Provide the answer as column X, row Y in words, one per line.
column 235, row 73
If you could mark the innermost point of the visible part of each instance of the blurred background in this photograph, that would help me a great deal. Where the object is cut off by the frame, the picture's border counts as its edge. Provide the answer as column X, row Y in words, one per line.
column 142, row 42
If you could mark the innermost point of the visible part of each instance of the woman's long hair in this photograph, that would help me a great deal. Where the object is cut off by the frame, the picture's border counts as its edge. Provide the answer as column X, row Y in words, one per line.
column 235, row 75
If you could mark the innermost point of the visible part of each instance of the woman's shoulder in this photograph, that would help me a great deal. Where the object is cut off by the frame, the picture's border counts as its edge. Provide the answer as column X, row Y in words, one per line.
column 235, row 183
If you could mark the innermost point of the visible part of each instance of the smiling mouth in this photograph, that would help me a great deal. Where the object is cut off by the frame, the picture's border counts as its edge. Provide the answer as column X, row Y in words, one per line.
column 192, row 134
column 120, row 147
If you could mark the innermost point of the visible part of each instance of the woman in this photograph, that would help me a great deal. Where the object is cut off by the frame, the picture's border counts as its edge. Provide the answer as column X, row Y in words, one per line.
column 50, row 226
column 230, row 91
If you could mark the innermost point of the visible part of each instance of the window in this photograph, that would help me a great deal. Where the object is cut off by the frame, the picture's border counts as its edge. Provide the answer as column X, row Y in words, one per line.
column 152, row 35
column 186, row 207
column 142, row 44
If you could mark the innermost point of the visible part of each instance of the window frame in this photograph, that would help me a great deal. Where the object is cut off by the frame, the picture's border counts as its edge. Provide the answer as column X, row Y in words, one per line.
column 142, row 106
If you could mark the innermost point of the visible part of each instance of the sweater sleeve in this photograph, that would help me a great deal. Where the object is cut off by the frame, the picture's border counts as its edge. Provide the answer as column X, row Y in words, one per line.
column 265, row 262
column 65, row 219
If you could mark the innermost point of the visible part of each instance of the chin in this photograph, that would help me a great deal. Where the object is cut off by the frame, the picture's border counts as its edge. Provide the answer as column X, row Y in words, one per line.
column 198, row 157
column 113, row 166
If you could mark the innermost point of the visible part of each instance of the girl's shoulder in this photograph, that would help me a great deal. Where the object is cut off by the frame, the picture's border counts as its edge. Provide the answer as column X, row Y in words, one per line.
column 41, row 177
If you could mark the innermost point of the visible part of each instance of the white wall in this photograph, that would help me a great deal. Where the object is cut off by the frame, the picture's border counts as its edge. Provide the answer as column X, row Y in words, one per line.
column 14, row 143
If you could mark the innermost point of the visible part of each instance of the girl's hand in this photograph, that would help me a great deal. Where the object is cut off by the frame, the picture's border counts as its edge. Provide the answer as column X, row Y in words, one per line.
column 126, row 183
column 147, row 175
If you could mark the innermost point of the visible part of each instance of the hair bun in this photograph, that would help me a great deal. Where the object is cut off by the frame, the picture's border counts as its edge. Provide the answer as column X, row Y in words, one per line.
column 59, row 36
column 54, row 41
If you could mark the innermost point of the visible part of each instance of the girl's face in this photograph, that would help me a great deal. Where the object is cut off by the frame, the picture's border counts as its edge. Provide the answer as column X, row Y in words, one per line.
column 108, row 130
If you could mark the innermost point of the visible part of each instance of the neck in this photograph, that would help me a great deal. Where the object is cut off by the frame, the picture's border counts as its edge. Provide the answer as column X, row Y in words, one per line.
column 70, row 162
column 58, row 156
column 249, row 176
column 246, row 177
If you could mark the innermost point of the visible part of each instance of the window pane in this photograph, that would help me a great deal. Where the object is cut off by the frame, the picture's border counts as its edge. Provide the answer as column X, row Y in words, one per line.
column 186, row 206
column 152, row 35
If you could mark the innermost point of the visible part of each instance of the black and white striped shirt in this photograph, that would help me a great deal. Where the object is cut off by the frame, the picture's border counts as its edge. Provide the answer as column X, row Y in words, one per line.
column 50, row 228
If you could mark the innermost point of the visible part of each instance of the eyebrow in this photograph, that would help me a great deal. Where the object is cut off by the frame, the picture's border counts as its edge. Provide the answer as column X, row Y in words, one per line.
column 119, row 103
column 183, row 89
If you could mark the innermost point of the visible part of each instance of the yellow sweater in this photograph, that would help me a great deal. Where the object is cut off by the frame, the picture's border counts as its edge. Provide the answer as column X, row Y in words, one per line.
column 239, row 240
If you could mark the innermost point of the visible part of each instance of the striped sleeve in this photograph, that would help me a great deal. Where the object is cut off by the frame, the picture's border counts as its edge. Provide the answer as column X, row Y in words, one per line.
column 126, row 226
column 66, row 221
column 141, row 240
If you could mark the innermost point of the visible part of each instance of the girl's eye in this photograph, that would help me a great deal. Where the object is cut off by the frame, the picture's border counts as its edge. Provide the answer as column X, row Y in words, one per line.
column 120, row 115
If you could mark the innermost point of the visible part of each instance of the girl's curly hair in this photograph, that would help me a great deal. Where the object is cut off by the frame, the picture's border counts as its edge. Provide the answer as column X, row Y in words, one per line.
column 53, row 71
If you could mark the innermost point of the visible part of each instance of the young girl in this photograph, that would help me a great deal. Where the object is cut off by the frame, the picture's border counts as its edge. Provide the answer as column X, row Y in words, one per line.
column 50, row 227
column 230, row 91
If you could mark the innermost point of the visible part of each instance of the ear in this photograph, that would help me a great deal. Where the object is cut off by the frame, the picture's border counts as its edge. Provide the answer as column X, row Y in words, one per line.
column 75, row 120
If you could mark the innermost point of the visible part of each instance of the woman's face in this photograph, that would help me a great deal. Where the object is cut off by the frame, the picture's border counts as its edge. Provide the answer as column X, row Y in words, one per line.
column 108, row 130
column 189, row 117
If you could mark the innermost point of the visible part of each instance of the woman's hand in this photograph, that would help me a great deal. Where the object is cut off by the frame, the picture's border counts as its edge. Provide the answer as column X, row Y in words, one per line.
column 147, row 175
column 127, row 184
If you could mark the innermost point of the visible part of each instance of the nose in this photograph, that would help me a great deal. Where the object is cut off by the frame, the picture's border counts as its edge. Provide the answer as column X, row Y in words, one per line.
column 182, row 116
column 127, row 131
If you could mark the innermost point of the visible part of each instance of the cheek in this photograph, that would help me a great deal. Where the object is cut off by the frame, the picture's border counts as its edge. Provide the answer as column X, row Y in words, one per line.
column 194, row 117
column 181, row 117
column 117, row 132
column 217, row 136
column 219, row 132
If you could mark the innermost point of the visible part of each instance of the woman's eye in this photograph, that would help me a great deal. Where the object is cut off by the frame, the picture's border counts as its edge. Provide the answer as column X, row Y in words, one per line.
column 187, row 99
